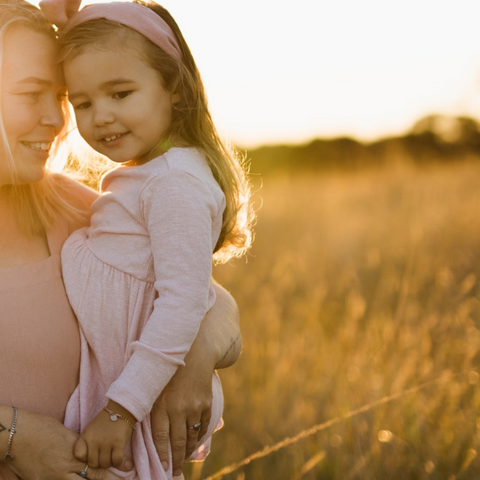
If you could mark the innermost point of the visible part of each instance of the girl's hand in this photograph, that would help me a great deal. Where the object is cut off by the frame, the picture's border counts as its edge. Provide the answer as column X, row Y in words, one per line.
column 43, row 450
column 102, row 443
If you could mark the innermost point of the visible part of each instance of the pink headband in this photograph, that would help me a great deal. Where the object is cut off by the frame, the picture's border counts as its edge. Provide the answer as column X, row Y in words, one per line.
column 65, row 15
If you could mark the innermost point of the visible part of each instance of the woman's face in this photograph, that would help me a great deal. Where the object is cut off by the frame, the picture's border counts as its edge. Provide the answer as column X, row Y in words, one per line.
column 32, row 94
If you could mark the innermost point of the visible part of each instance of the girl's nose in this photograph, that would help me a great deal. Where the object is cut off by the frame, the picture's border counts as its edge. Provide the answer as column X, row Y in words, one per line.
column 102, row 116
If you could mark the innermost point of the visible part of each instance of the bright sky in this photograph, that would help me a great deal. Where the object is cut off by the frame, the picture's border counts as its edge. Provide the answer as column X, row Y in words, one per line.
column 278, row 71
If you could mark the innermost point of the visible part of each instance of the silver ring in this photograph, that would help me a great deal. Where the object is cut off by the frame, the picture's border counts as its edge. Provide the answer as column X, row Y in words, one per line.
column 195, row 427
column 83, row 473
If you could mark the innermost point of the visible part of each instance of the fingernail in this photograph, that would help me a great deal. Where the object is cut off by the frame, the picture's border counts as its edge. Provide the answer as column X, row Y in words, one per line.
column 165, row 466
column 177, row 472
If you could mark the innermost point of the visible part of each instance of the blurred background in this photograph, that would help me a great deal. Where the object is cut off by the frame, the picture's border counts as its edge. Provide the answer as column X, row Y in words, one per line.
column 360, row 123
column 279, row 71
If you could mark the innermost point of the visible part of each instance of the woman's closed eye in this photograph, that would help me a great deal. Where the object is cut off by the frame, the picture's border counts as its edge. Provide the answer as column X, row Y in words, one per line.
column 33, row 95
column 82, row 106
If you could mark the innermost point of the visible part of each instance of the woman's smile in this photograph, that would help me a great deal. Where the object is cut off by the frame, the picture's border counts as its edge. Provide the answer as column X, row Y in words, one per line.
column 42, row 147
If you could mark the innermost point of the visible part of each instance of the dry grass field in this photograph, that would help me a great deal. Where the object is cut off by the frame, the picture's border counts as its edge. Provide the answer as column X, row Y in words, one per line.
column 359, row 287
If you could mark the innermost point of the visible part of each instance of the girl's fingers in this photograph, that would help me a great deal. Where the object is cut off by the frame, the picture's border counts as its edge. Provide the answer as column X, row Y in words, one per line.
column 127, row 464
column 105, row 457
column 93, row 457
column 80, row 450
column 117, row 457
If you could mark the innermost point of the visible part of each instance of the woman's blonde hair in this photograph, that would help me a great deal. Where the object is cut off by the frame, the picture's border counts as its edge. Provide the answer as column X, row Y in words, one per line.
column 37, row 205
column 191, row 120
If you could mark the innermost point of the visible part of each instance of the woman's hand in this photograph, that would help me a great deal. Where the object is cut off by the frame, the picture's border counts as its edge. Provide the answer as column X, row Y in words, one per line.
column 187, row 399
column 43, row 450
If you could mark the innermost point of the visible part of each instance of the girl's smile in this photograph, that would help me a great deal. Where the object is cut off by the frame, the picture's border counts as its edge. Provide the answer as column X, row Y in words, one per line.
column 114, row 137
column 112, row 140
column 122, row 109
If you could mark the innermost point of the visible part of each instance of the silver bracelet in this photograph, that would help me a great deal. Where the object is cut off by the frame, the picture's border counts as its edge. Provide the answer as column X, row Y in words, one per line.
column 12, row 431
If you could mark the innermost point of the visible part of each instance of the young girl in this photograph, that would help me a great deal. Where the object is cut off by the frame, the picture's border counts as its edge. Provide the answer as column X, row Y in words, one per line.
column 138, row 278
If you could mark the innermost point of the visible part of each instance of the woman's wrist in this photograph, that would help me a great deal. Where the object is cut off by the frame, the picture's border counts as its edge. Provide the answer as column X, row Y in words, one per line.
column 11, row 432
column 6, row 437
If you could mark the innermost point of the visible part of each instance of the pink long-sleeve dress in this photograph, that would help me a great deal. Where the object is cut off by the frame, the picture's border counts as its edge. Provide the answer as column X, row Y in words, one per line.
column 138, row 280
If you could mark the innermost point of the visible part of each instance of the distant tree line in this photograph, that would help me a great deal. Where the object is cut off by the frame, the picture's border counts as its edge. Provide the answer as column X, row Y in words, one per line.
column 432, row 139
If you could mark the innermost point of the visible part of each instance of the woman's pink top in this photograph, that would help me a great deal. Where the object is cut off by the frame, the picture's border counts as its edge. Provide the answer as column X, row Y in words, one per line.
column 138, row 280
column 40, row 355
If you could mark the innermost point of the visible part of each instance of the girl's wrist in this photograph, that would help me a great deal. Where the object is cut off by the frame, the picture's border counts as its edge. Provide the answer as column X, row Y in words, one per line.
column 117, row 408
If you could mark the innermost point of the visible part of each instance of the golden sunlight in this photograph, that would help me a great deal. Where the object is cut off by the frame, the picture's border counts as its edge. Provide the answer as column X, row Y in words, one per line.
column 281, row 73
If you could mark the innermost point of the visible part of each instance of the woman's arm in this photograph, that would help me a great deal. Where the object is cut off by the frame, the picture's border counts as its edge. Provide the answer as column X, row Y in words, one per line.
column 42, row 448
column 219, row 334
column 188, row 396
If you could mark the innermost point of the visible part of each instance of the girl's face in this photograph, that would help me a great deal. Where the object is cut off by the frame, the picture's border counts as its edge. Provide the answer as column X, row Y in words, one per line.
column 32, row 93
column 121, row 106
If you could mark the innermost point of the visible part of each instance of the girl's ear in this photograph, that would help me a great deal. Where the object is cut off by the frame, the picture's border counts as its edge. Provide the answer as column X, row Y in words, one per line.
column 176, row 97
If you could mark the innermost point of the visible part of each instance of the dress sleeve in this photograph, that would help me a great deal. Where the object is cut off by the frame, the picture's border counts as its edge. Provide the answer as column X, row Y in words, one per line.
column 178, row 210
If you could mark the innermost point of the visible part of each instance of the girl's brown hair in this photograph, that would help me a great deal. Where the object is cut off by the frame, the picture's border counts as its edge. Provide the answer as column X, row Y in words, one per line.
column 191, row 120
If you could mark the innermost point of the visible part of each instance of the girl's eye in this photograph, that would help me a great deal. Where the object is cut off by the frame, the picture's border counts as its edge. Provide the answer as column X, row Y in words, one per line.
column 123, row 94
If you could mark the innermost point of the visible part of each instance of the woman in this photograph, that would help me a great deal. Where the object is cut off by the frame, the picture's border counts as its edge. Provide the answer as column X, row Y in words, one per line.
column 40, row 345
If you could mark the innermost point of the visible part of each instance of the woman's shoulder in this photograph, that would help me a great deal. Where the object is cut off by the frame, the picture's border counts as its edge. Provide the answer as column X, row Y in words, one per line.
column 75, row 193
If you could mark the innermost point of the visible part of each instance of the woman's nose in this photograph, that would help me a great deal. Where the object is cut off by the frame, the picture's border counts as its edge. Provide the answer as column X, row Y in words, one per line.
column 53, row 116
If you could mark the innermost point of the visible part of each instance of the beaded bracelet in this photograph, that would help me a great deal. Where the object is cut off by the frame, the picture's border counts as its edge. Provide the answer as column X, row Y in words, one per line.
column 115, row 416
column 12, row 431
